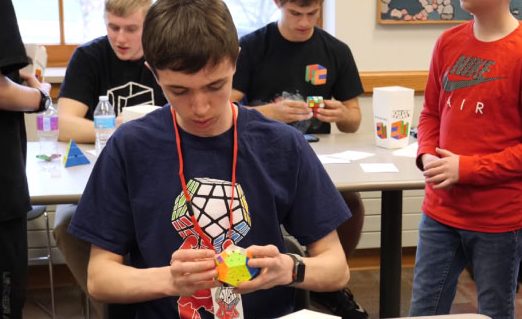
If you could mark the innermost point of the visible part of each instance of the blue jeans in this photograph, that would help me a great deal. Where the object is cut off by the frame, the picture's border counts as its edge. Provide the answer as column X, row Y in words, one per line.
column 442, row 254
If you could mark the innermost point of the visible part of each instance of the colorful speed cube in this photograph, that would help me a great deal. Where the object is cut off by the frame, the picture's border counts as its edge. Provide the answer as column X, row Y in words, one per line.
column 315, row 102
column 232, row 266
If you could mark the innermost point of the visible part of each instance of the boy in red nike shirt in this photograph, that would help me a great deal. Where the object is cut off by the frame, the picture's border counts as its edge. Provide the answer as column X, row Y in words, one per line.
column 470, row 149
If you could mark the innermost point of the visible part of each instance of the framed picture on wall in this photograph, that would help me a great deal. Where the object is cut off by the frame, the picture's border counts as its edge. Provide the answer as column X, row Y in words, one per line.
column 428, row 11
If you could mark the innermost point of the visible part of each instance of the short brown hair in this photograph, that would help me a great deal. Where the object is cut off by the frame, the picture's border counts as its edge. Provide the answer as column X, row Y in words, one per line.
column 301, row 3
column 188, row 35
column 123, row 8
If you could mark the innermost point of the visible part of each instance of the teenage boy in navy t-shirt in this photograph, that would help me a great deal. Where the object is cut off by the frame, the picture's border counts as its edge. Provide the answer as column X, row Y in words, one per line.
column 185, row 182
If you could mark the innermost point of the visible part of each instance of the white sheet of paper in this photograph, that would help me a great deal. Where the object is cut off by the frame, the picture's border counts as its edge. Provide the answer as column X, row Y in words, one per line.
column 309, row 314
column 343, row 157
column 92, row 152
column 379, row 168
column 327, row 159
column 408, row 151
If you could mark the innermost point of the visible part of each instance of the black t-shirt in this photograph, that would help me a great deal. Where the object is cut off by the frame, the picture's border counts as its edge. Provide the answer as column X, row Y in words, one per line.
column 269, row 65
column 94, row 70
column 14, row 193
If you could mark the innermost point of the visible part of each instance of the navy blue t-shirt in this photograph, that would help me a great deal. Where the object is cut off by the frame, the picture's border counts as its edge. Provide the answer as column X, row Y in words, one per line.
column 269, row 65
column 133, row 203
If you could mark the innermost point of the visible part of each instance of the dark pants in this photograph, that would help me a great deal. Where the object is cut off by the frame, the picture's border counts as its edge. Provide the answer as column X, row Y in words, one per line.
column 13, row 266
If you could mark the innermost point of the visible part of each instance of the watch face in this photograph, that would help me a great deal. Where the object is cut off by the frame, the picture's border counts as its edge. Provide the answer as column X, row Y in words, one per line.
column 300, row 272
column 299, row 268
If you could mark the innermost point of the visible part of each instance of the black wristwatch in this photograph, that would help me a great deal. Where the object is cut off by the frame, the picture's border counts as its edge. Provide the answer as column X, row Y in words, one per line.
column 298, row 272
column 45, row 102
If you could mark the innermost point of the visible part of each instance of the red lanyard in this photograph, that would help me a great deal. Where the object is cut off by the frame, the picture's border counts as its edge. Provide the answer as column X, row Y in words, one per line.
column 188, row 201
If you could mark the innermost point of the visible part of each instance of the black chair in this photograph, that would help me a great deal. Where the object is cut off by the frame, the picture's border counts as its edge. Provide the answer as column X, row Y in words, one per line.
column 33, row 214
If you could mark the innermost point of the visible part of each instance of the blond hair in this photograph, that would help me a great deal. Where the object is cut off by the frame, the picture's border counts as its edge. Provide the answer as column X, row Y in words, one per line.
column 123, row 8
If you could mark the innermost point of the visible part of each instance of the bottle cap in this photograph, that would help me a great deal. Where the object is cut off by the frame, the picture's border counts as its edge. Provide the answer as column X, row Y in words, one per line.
column 104, row 98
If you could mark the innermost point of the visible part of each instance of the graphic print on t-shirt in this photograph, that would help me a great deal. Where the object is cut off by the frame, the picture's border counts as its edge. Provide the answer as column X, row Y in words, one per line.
column 316, row 74
column 465, row 73
column 210, row 202
column 130, row 94
column 470, row 71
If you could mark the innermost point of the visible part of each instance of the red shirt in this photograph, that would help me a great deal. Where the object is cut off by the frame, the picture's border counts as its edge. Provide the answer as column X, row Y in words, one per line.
column 473, row 108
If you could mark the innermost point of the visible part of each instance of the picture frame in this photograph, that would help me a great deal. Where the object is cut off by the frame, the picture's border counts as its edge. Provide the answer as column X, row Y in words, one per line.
column 428, row 11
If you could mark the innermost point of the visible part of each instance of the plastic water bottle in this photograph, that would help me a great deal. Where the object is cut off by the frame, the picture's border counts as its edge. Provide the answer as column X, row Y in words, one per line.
column 47, row 131
column 104, row 122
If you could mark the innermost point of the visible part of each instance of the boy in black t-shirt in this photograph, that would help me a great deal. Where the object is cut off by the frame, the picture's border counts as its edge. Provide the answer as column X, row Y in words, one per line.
column 282, row 64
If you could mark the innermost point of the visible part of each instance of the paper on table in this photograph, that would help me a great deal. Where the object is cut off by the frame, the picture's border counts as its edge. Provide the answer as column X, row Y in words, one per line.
column 408, row 151
column 343, row 157
column 379, row 168
column 308, row 314
column 92, row 152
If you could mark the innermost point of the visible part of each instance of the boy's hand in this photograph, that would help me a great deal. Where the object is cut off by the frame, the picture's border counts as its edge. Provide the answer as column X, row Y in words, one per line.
column 442, row 172
column 33, row 82
column 275, row 269
column 288, row 111
column 192, row 270
column 332, row 112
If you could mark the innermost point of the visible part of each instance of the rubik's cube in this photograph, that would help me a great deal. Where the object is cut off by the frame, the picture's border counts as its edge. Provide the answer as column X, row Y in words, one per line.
column 316, row 74
column 399, row 130
column 381, row 130
column 232, row 266
column 315, row 102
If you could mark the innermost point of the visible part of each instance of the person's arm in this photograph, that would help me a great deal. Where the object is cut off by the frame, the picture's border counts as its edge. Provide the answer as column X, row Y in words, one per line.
column 326, row 267
column 482, row 170
column 286, row 111
column 429, row 119
column 16, row 97
column 109, row 280
column 72, row 122
column 346, row 115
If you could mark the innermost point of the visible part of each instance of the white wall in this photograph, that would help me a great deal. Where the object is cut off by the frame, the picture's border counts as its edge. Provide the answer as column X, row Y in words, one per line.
column 380, row 47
